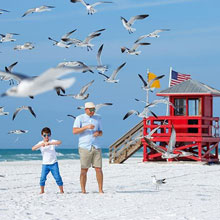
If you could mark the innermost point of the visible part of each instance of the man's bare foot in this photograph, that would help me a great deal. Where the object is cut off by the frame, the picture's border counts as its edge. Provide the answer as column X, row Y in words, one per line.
column 83, row 192
column 101, row 191
column 41, row 192
column 61, row 192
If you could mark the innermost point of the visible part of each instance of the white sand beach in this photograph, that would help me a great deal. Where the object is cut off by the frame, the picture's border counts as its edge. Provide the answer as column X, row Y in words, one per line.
column 192, row 192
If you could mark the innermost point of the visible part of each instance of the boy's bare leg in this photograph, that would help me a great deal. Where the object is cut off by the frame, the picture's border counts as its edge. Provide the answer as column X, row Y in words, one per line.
column 99, row 177
column 61, row 189
column 41, row 189
column 83, row 178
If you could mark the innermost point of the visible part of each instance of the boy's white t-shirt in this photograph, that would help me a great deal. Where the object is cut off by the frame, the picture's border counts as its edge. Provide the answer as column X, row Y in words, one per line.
column 48, row 153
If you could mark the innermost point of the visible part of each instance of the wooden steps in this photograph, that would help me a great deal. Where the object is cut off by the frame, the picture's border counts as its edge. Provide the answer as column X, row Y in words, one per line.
column 126, row 146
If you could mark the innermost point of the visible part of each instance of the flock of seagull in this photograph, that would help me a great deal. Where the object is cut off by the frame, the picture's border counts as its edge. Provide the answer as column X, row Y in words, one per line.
column 30, row 86
column 21, row 85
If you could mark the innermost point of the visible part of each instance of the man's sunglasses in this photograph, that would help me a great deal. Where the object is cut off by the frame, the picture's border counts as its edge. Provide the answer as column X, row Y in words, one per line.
column 46, row 135
column 91, row 109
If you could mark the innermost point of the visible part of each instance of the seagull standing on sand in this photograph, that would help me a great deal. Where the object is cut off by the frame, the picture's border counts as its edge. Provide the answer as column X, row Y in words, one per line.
column 97, row 106
column 101, row 68
column 112, row 79
column 152, row 34
column 2, row 111
column 39, row 9
column 7, row 37
column 31, row 86
column 8, row 69
column 81, row 95
column 25, row 46
column 28, row 108
column 157, row 182
column 128, row 24
column 90, row 7
column 147, row 86
column 133, row 51
column 18, row 131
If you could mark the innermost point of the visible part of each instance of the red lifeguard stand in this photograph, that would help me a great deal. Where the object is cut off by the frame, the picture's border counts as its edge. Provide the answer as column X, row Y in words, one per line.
column 197, row 131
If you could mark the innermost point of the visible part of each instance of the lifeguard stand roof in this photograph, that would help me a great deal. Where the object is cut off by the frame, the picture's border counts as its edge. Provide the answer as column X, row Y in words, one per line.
column 190, row 87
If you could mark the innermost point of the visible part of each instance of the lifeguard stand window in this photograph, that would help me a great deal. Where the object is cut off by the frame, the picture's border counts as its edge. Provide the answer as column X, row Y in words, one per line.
column 180, row 105
column 194, row 107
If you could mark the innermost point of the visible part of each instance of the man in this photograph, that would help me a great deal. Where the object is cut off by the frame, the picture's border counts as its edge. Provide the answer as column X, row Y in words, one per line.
column 88, row 126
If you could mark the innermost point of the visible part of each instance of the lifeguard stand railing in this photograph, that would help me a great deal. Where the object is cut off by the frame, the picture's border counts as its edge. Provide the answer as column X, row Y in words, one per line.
column 195, row 134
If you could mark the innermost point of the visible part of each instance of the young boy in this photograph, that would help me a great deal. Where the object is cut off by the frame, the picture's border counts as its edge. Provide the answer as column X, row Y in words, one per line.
column 50, row 163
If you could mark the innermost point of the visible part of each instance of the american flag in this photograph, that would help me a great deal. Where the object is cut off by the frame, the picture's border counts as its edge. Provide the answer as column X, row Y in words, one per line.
column 177, row 78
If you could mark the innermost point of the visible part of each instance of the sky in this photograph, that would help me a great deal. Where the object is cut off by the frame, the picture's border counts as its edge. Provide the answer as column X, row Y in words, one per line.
column 191, row 47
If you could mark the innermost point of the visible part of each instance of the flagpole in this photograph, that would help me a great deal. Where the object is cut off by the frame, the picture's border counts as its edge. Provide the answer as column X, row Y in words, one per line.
column 169, row 86
column 147, row 93
column 171, row 69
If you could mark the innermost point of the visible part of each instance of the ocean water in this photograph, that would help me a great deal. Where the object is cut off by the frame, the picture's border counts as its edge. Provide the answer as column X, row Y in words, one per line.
column 62, row 154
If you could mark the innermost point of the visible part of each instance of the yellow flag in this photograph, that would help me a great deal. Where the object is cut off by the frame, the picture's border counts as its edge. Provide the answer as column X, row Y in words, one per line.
column 156, row 83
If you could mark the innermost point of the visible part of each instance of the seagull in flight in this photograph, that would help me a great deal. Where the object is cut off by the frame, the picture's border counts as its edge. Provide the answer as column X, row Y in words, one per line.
column 60, row 43
column 65, row 41
column 133, row 51
column 172, row 144
column 39, row 9
column 7, row 37
column 25, row 46
column 8, row 69
column 31, row 86
column 97, row 106
column 2, row 111
column 90, row 7
column 18, row 131
column 101, row 68
column 143, row 114
column 147, row 86
column 28, row 108
column 3, row 10
column 157, row 182
column 86, row 41
column 81, row 95
column 72, row 116
column 152, row 34
column 112, row 79
column 163, row 101
column 66, row 38
column 59, row 120
column 128, row 24
column 157, row 101
column 75, row 63
column 169, row 153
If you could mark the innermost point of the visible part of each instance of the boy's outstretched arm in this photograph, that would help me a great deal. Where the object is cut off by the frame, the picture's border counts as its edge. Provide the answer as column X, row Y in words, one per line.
column 37, row 146
column 55, row 143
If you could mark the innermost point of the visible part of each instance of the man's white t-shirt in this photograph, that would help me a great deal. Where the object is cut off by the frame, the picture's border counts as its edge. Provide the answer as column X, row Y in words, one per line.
column 48, row 153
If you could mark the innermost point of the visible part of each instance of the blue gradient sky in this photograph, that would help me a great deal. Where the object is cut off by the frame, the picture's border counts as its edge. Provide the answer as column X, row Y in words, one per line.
column 192, row 47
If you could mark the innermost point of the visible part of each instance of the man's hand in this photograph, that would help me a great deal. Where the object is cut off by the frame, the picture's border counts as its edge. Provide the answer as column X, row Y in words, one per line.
column 96, row 134
column 90, row 126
